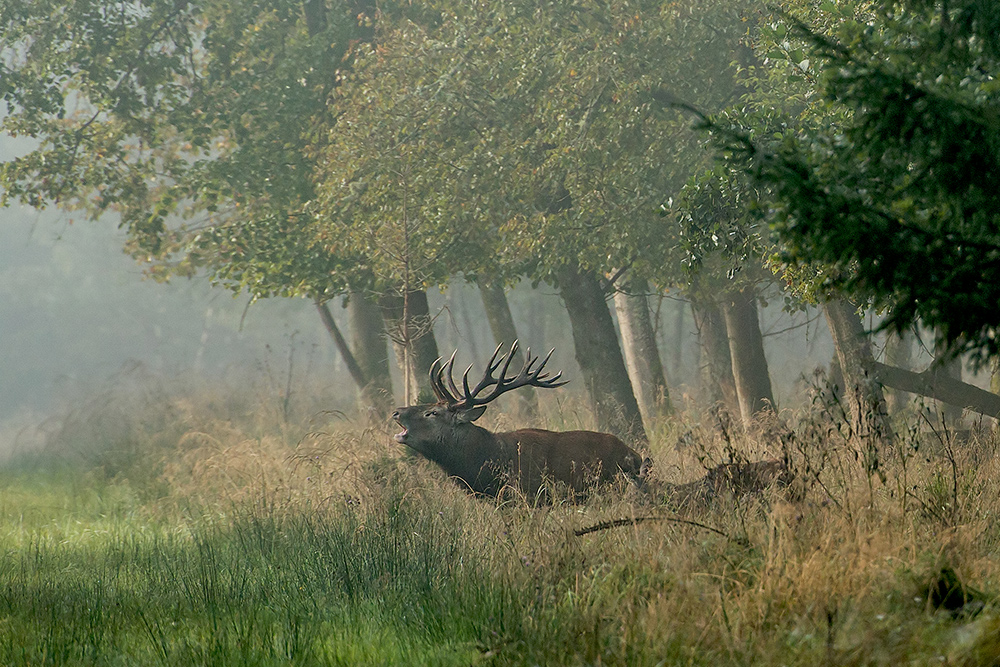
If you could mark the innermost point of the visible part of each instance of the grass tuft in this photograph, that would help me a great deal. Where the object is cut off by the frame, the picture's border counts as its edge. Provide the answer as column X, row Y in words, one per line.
column 183, row 526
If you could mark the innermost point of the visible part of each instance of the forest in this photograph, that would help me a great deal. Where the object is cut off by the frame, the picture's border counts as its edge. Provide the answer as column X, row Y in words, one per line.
column 763, row 238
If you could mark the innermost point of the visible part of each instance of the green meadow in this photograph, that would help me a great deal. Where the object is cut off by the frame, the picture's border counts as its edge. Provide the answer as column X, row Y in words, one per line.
column 188, row 527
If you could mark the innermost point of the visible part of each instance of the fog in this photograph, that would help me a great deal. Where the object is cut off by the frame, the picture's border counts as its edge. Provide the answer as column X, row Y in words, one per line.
column 77, row 313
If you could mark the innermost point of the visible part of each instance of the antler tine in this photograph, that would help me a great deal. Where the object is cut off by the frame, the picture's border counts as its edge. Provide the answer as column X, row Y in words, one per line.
column 542, row 380
column 510, row 358
column 525, row 377
column 469, row 399
column 450, row 367
column 437, row 385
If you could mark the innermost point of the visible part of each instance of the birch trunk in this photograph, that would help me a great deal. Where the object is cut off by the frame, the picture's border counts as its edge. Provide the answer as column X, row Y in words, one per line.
column 862, row 392
column 642, row 357
column 898, row 353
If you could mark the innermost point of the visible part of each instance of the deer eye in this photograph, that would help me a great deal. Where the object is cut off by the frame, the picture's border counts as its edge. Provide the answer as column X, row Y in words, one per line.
column 430, row 413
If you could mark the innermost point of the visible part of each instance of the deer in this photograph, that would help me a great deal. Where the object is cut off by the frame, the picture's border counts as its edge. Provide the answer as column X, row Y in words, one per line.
column 489, row 464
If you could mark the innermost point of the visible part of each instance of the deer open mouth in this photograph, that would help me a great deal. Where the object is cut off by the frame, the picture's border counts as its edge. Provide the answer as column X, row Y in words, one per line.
column 401, row 436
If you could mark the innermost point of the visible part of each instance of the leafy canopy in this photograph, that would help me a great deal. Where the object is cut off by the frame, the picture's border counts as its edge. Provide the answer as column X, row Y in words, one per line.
column 898, row 201
column 190, row 119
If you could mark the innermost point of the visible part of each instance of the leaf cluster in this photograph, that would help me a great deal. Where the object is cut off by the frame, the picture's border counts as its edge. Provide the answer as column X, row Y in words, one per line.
column 189, row 119
column 898, row 201
column 510, row 138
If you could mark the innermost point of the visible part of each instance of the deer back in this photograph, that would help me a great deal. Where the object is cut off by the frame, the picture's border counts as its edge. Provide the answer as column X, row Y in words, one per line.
column 578, row 459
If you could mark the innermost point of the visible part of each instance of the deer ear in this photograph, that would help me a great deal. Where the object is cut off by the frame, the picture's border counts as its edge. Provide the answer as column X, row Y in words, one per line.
column 470, row 415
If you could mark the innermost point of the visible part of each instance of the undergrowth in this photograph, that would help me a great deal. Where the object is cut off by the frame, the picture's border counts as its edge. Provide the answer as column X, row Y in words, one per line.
column 177, row 527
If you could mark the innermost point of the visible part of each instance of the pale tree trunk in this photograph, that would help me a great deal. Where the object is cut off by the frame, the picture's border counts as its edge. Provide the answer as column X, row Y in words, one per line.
column 746, row 349
column 371, row 351
column 898, row 353
column 949, row 365
column 599, row 355
column 995, row 383
column 505, row 333
column 678, row 346
column 642, row 357
column 861, row 390
column 717, row 366
column 413, row 342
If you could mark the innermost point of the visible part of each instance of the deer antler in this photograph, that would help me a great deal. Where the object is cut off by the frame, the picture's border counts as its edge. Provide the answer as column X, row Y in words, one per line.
column 529, row 375
column 437, row 380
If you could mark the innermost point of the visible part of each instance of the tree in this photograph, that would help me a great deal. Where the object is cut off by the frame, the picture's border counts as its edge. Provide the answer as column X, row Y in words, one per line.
column 502, row 326
column 526, row 139
column 861, row 389
column 641, row 353
column 898, row 199
column 190, row 120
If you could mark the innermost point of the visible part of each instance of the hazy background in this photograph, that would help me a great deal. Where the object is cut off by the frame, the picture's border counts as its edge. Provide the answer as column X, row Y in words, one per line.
column 76, row 315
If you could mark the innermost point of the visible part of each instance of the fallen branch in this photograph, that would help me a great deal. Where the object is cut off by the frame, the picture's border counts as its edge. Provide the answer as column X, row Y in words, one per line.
column 933, row 383
column 616, row 523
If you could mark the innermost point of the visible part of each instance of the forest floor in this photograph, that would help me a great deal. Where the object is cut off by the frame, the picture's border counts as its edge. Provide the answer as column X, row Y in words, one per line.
column 197, row 527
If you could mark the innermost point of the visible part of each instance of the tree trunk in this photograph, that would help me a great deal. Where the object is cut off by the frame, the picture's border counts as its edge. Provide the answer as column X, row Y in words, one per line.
column 898, row 353
column 746, row 349
column 414, row 343
column 505, row 333
column 936, row 384
column 995, row 375
column 599, row 355
column 717, row 365
column 678, row 346
column 861, row 391
column 642, row 357
column 371, row 351
column 949, row 365
column 359, row 377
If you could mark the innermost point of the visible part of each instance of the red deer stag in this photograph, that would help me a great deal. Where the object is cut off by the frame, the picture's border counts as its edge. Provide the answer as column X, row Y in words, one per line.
column 486, row 462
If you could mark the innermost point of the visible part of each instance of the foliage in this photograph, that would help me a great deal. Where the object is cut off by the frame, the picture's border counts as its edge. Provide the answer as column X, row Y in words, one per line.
column 476, row 138
column 896, row 199
column 511, row 137
column 160, row 108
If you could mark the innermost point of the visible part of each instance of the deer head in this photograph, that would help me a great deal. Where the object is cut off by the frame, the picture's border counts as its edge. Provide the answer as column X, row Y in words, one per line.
column 425, row 426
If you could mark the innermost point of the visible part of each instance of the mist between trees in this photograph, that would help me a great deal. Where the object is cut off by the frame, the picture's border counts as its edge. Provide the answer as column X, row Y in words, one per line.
column 344, row 152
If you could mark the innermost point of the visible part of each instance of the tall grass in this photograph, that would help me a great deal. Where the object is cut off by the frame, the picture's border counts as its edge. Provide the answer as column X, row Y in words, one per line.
column 175, row 526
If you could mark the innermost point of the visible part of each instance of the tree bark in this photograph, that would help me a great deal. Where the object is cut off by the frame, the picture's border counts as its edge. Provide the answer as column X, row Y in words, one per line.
column 359, row 377
column 505, row 333
column 935, row 383
column 371, row 351
column 863, row 394
column 949, row 365
column 599, row 355
column 746, row 349
column 717, row 365
column 642, row 357
column 898, row 353
column 413, row 341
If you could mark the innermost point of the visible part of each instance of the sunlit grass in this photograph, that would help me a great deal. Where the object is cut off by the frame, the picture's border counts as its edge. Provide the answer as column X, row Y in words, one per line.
column 206, row 537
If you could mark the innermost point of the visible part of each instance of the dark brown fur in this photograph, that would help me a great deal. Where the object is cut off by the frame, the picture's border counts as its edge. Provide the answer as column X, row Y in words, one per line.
column 487, row 462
